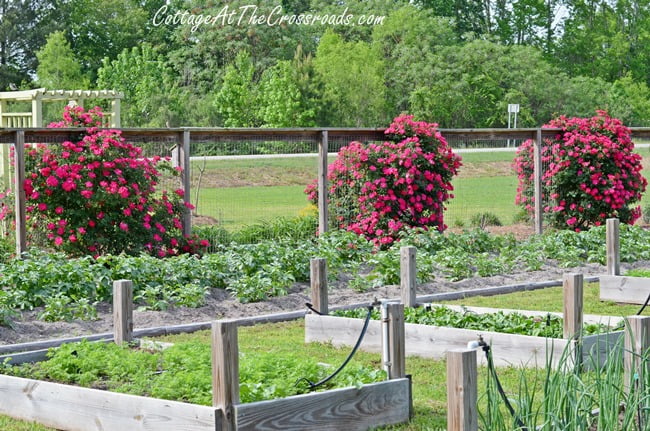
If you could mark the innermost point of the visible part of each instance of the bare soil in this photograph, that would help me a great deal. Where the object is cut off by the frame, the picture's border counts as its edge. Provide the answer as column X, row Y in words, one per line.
column 220, row 304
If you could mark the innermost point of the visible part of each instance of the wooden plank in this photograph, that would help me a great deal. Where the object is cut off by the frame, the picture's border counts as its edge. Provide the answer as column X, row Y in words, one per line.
column 348, row 409
column 434, row 341
column 408, row 275
column 318, row 283
column 225, row 370
column 573, row 300
column 612, row 241
column 73, row 408
column 462, row 390
column 122, row 311
column 538, row 172
column 623, row 289
column 637, row 343
column 323, row 217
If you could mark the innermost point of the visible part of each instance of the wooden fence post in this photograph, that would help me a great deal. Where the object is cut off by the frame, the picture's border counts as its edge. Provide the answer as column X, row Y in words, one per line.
column 573, row 302
column 635, row 353
column 613, row 245
column 20, row 197
column 225, row 370
column 322, row 183
column 318, row 282
column 408, row 274
column 462, row 391
column 122, row 311
column 184, row 163
column 538, row 172
column 394, row 352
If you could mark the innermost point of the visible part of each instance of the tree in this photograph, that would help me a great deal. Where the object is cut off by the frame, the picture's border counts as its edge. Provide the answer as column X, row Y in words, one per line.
column 151, row 97
column 352, row 77
column 236, row 99
column 24, row 26
column 104, row 28
column 409, row 41
column 281, row 102
column 57, row 66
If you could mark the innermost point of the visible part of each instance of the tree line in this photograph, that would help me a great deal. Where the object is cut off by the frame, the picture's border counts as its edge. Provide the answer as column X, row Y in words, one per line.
column 455, row 62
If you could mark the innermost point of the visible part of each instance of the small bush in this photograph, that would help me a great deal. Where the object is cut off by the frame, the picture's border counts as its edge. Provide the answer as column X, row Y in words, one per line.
column 485, row 219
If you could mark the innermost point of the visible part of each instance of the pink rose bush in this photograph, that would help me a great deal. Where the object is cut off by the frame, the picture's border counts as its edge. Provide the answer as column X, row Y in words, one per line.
column 591, row 173
column 381, row 189
column 98, row 195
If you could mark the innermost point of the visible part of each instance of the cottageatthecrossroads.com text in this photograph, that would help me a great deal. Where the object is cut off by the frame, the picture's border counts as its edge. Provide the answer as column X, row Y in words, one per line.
column 251, row 15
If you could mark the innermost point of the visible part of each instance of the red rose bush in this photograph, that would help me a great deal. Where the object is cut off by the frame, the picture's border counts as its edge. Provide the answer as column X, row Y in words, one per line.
column 591, row 173
column 381, row 189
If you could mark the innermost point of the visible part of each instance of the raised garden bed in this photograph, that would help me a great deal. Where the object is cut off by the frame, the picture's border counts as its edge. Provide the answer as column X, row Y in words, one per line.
column 624, row 289
column 435, row 341
column 73, row 408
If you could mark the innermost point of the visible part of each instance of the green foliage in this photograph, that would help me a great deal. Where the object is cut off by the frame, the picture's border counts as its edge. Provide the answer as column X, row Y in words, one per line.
column 508, row 323
column 236, row 100
column 353, row 85
column 151, row 97
column 482, row 220
column 282, row 103
column 182, row 372
column 58, row 69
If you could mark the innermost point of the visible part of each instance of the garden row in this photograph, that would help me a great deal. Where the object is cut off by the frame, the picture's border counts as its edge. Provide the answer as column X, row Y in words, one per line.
column 70, row 288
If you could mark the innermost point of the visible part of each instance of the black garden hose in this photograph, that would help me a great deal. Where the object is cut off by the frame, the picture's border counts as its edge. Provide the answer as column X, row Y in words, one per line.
column 313, row 385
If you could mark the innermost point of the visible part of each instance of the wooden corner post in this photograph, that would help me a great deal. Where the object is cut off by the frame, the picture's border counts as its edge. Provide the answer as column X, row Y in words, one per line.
column 225, row 370
column 635, row 353
column 20, row 197
column 318, row 281
column 394, row 353
column 462, row 390
column 322, row 183
column 538, row 172
column 122, row 311
column 408, row 275
column 573, row 303
column 184, row 163
column 613, row 245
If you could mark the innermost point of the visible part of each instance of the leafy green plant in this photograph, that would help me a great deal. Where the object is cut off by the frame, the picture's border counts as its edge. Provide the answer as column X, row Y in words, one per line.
column 482, row 220
column 182, row 372
column 509, row 323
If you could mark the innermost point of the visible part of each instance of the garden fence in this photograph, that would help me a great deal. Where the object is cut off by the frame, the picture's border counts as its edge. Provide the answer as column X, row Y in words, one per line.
column 239, row 177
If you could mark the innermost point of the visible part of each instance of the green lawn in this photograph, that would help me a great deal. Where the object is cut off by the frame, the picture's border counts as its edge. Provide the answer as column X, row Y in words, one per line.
column 551, row 299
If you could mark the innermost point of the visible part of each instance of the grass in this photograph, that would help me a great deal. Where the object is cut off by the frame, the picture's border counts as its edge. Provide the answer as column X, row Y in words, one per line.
column 241, row 192
column 429, row 377
column 550, row 299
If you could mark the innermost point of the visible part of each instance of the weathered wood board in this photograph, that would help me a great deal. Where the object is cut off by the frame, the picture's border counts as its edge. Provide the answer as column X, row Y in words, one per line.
column 348, row 409
column 73, row 408
column 434, row 341
column 623, row 289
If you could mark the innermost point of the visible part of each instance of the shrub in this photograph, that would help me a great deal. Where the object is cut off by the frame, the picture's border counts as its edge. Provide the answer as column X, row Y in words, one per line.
column 485, row 219
column 381, row 189
column 98, row 195
column 591, row 173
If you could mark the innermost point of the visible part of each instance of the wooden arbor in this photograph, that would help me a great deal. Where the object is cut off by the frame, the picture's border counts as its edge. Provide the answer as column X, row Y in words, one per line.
column 19, row 120
column 40, row 95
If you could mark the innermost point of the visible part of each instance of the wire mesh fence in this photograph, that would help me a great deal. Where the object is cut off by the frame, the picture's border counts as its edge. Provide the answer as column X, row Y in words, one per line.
column 240, row 178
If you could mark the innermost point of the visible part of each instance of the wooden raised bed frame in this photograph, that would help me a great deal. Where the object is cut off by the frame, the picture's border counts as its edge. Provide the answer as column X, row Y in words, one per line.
column 507, row 349
column 74, row 408
column 614, row 286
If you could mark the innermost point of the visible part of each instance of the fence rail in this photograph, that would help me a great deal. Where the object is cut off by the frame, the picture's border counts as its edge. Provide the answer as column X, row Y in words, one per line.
column 319, row 142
